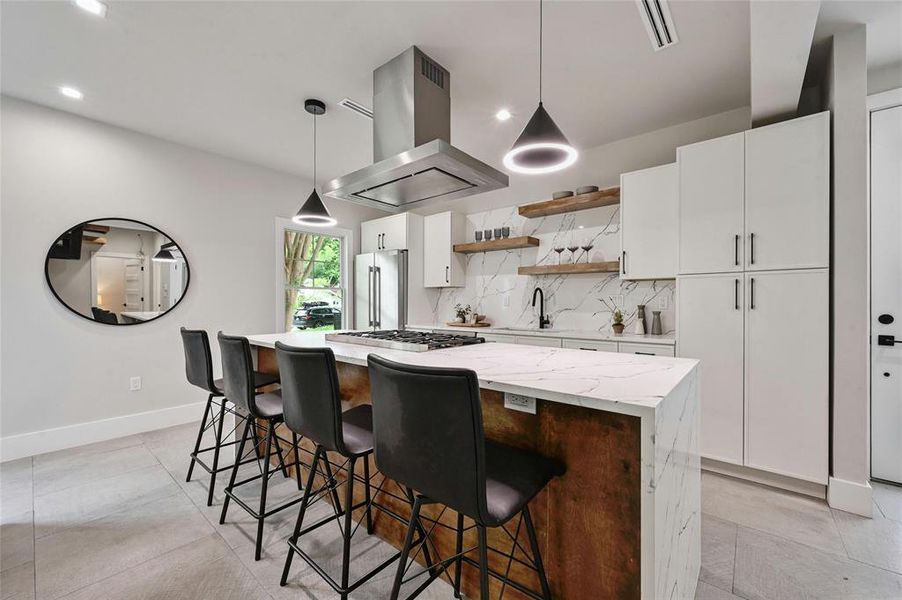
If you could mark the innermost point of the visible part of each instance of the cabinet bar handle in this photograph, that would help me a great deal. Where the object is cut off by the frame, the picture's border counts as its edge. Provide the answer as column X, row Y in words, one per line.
column 736, row 295
column 752, row 295
column 592, row 349
column 645, row 353
column 752, row 249
column 736, row 250
column 623, row 262
column 447, row 279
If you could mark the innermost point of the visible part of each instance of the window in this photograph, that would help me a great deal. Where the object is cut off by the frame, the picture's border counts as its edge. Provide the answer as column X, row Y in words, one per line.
column 313, row 274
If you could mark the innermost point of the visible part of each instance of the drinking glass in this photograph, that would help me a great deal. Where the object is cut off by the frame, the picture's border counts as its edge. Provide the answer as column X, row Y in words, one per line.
column 497, row 233
column 506, row 232
column 572, row 248
column 586, row 246
column 559, row 250
column 479, row 235
column 488, row 235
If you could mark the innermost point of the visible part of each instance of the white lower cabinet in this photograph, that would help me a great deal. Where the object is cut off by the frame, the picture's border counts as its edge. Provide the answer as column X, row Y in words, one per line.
column 589, row 345
column 710, row 311
column 548, row 342
column 762, row 339
column 786, row 382
column 647, row 349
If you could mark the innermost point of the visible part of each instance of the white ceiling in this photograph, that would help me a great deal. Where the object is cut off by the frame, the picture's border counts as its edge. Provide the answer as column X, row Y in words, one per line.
column 230, row 77
column 884, row 26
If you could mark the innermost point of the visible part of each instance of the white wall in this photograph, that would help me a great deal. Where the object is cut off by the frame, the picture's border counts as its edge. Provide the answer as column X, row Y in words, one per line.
column 58, row 170
column 847, row 99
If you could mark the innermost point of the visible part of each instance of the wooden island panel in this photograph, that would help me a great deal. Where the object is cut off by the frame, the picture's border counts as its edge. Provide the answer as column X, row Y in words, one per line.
column 587, row 521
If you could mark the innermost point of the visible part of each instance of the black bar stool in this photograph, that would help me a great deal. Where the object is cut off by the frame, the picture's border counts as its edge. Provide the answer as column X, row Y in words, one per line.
column 199, row 371
column 240, row 388
column 312, row 405
column 429, row 436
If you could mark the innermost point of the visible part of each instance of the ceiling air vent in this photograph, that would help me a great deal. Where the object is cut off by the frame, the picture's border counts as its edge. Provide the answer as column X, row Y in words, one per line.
column 658, row 22
column 357, row 108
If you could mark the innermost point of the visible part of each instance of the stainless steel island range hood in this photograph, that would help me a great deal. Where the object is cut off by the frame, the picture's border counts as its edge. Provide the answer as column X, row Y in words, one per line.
column 414, row 160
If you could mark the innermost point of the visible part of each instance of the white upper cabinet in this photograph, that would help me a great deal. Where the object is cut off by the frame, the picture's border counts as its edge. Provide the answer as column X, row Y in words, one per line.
column 787, row 195
column 711, row 190
column 710, row 320
column 787, row 373
column 442, row 267
column 387, row 233
column 648, row 223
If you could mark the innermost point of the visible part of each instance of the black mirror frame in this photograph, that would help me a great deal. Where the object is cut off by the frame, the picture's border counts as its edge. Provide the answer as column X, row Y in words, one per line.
column 91, row 319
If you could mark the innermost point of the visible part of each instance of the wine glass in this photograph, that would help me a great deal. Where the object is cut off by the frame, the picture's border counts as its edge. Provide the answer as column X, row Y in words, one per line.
column 559, row 250
column 573, row 248
column 586, row 246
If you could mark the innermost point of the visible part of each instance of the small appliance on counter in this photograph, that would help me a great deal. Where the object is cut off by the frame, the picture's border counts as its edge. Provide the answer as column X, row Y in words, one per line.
column 401, row 339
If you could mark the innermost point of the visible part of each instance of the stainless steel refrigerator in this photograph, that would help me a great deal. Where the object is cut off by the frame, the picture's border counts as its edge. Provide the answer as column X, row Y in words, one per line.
column 380, row 290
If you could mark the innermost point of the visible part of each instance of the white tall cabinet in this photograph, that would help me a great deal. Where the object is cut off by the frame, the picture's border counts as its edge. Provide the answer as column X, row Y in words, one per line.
column 648, row 213
column 442, row 267
column 753, row 294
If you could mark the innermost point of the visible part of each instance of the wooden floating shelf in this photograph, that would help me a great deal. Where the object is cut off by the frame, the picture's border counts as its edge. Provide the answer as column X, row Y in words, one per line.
column 513, row 243
column 546, row 208
column 611, row 266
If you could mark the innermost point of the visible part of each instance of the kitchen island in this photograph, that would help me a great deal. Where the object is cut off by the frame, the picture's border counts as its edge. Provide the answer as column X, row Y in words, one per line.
column 624, row 520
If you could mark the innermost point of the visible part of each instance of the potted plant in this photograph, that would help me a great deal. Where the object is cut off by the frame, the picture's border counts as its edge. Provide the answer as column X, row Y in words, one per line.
column 461, row 312
column 617, row 325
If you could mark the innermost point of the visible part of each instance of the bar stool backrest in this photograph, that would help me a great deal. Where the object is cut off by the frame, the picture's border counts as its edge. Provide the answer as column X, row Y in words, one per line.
column 198, row 359
column 238, row 372
column 311, row 397
column 428, row 434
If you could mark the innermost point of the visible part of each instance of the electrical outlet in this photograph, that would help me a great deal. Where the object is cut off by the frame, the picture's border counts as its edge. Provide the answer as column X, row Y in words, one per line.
column 520, row 403
column 506, row 300
column 663, row 302
column 134, row 384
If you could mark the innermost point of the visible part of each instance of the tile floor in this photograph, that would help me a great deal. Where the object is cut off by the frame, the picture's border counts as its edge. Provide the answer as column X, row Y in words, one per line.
column 116, row 520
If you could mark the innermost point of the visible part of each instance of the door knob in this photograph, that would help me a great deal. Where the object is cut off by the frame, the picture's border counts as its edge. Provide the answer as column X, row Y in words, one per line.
column 887, row 340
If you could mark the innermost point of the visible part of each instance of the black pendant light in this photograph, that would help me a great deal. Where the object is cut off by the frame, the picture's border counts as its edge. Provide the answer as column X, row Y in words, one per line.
column 314, row 213
column 542, row 147
column 165, row 254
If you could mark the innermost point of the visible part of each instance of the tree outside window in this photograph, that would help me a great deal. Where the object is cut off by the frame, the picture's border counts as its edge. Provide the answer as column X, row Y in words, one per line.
column 313, row 286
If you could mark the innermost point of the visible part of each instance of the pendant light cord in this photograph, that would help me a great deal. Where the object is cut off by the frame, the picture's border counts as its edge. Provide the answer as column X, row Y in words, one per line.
column 314, row 151
column 541, row 32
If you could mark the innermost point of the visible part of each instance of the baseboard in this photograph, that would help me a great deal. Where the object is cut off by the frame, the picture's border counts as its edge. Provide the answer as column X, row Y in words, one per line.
column 850, row 497
column 60, row 438
column 775, row 480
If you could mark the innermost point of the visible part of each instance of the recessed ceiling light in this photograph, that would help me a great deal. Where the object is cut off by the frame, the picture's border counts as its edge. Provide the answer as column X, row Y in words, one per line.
column 95, row 7
column 503, row 114
column 71, row 92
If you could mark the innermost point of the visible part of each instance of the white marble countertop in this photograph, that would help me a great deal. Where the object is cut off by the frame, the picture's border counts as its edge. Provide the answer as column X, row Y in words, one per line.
column 668, row 339
column 623, row 383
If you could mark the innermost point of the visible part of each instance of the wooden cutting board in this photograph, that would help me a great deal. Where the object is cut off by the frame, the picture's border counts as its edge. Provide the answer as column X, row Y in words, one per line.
column 456, row 324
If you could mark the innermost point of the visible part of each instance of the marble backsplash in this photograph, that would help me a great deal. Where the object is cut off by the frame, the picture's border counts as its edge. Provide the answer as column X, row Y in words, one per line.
column 583, row 302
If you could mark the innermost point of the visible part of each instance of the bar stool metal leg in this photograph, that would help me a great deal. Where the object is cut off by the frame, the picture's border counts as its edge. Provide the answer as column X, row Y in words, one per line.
column 300, row 520
column 264, row 483
column 346, row 531
column 200, row 434
column 483, row 563
column 536, row 555
column 215, row 468
column 458, row 550
column 405, row 551
column 234, row 475
column 366, row 492
column 297, row 459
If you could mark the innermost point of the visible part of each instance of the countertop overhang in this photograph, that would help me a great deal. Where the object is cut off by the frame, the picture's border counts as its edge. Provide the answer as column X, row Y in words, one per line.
column 623, row 383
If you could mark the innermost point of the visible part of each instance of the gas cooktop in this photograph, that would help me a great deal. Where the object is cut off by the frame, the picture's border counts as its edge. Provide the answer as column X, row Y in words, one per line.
column 401, row 339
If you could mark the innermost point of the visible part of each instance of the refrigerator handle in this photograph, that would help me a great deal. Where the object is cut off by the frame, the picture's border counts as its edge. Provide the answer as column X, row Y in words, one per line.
column 377, row 305
column 369, row 294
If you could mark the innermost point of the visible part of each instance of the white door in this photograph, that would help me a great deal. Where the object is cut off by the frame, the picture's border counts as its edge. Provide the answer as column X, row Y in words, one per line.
column 394, row 232
column 886, row 294
column 134, row 286
column 787, row 373
column 710, row 328
column 437, row 250
column 109, row 282
column 712, row 186
column 370, row 236
column 787, row 195
column 648, row 223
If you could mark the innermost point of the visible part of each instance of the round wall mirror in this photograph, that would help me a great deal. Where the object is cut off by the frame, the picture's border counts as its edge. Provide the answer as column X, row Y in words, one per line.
column 117, row 271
